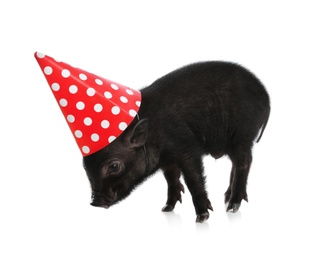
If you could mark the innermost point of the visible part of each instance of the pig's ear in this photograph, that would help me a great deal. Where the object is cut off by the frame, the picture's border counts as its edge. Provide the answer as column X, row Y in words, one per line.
column 139, row 133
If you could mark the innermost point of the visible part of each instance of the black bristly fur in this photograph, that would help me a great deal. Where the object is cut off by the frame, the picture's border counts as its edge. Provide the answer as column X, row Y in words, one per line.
column 216, row 108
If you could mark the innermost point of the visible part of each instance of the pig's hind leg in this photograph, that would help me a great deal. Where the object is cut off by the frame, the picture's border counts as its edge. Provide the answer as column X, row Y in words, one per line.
column 241, row 157
column 172, row 174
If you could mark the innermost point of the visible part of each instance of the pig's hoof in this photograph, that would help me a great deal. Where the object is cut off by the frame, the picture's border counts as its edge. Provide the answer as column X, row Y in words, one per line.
column 235, row 203
column 227, row 195
column 234, row 207
column 209, row 205
column 202, row 217
column 167, row 208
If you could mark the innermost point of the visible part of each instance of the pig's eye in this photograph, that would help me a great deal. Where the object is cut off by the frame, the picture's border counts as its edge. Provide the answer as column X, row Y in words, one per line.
column 113, row 168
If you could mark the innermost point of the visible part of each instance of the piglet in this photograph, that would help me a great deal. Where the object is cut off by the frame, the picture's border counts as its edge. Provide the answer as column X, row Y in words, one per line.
column 216, row 108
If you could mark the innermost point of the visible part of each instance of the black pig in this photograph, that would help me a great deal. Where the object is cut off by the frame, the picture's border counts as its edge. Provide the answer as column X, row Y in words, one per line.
column 215, row 108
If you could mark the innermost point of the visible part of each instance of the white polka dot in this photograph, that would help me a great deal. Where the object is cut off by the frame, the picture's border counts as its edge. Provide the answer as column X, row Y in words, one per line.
column 80, row 105
column 99, row 82
column 55, row 86
column 108, row 95
column 63, row 102
column 95, row 137
column 115, row 110
column 138, row 103
column 90, row 92
column 98, row 108
column 123, row 99
column 82, row 76
column 129, row 91
column 85, row 149
column 78, row 134
column 114, row 86
column 70, row 118
column 111, row 139
column 48, row 70
column 87, row 121
column 65, row 73
column 105, row 124
column 123, row 126
column 40, row 55
column 132, row 112
column 73, row 89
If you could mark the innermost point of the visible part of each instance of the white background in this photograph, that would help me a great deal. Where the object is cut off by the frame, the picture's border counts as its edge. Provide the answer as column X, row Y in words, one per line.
column 44, row 192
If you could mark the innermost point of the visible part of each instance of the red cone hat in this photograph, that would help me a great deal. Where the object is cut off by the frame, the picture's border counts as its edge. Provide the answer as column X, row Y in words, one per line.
column 97, row 110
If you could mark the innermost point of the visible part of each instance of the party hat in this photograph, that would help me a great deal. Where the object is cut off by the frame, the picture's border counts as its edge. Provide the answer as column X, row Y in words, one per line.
column 97, row 110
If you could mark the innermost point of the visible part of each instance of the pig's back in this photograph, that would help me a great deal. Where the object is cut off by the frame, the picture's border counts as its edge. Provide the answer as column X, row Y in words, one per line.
column 218, row 101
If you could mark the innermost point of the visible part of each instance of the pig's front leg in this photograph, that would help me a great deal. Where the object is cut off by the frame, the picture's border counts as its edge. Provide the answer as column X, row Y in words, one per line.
column 172, row 174
column 192, row 170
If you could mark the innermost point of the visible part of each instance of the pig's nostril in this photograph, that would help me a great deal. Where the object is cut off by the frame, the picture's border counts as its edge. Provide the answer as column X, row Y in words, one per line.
column 99, row 205
column 98, row 202
column 94, row 203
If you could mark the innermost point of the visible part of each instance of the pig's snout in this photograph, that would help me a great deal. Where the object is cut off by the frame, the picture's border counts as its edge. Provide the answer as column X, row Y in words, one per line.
column 98, row 200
